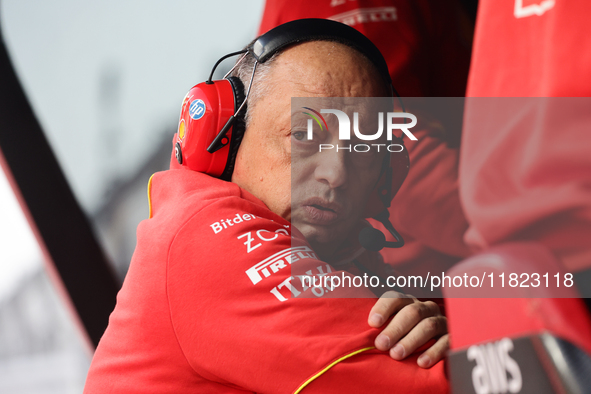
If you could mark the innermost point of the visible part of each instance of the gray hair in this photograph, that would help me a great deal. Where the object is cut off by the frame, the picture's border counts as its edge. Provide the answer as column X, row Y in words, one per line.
column 259, row 89
column 243, row 70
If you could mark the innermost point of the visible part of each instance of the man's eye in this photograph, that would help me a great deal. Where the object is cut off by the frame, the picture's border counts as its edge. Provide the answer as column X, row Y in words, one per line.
column 299, row 135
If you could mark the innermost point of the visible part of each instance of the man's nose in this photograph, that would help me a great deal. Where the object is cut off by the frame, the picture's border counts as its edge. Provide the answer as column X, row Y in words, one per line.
column 332, row 168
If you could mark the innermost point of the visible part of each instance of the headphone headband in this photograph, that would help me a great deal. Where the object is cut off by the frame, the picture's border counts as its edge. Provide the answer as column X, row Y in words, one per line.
column 304, row 30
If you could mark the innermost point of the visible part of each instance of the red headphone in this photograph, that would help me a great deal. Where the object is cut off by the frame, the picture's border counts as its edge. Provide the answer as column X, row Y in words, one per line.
column 206, row 110
column 212, row 124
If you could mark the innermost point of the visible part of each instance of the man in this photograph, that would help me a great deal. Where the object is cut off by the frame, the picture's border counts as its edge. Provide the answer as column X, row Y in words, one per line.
column 194, row 313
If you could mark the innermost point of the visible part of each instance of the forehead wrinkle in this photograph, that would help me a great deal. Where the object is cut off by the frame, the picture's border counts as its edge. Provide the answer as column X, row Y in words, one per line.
column 330, row 87
column 320, row 89
column 347, row 74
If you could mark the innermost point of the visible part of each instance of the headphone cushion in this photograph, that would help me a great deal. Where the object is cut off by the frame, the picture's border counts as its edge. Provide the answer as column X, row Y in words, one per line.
column 238, row 127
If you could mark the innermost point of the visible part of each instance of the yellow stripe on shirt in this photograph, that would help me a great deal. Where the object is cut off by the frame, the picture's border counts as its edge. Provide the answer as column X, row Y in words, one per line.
column 307, row 382
column 149, row 196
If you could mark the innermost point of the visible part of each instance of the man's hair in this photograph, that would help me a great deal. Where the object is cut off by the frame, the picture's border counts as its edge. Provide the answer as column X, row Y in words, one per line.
column 244, row 72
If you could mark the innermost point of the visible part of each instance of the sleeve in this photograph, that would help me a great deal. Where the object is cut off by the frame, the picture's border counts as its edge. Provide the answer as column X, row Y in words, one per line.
column 526, row 174
column 272, row 15
column 242, row 319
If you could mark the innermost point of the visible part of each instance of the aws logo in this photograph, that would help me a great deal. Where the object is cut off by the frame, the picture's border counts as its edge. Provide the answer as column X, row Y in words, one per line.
column 496, row 372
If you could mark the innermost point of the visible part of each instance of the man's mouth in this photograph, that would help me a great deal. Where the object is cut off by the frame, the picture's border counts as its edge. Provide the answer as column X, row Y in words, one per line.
column 322, row 208
column 321, row 212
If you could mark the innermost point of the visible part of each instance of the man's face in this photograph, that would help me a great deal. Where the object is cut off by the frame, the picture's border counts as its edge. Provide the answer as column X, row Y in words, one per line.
column 323, row 194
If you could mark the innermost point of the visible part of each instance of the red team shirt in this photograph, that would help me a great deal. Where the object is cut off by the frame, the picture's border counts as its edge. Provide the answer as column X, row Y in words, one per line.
column 526, row 163
column 207, row 306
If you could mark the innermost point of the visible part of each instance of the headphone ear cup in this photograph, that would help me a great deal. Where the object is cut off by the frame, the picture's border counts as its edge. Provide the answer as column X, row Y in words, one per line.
column 238, row 127
column 204, row 112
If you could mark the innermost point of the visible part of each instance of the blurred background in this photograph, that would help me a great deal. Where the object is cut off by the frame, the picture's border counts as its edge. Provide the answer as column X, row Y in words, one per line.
column 106, row 80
